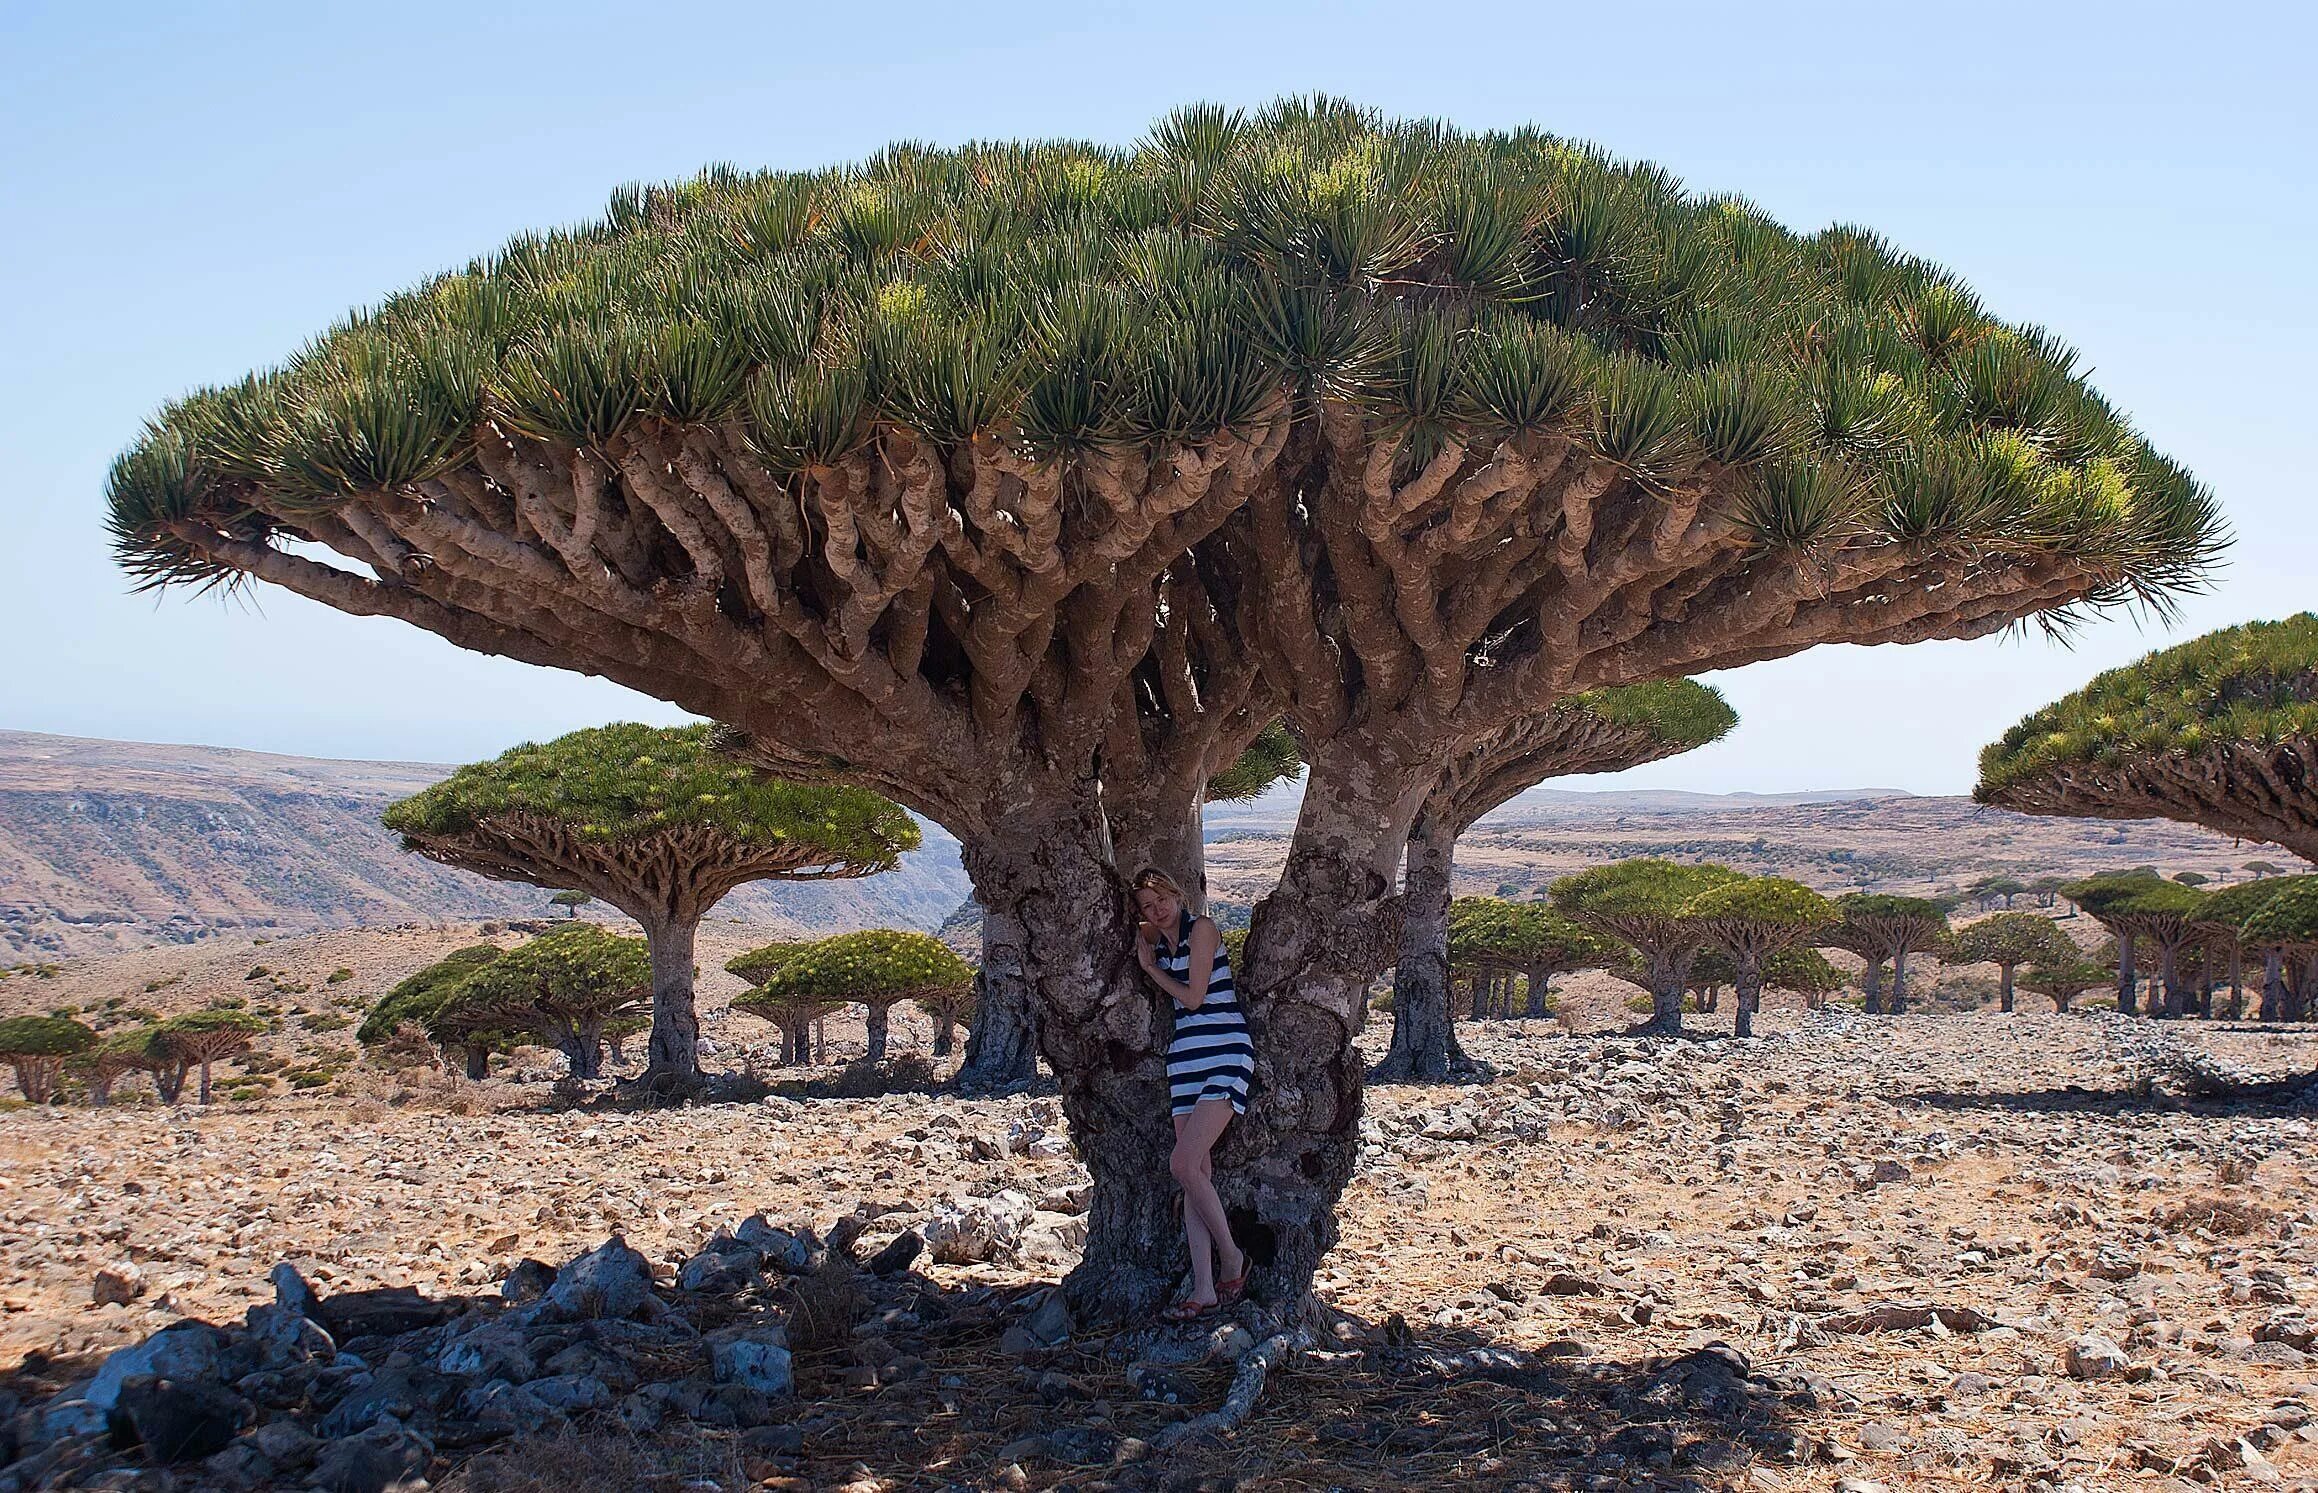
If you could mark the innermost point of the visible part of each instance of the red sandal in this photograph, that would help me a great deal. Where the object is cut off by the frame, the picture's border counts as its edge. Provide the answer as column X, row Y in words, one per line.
column 1229, row 1292
column 1188, row 1310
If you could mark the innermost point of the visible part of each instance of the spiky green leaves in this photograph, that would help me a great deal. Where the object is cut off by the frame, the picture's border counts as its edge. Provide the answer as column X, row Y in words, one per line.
column 2250, row 686
column 876, row 965
column 2288, row 919
column 1491, row 932
column 43, row 1037
column 570, row 978
column 2011, row 938
column 615, row 783
column 1644, row 901
column 1273, row 757
column 760, row 964
column 1767, row 908
column 1878, row 925
column 206, row 1036
column 416, row 997
column 1058, row 296
column 1678, row 714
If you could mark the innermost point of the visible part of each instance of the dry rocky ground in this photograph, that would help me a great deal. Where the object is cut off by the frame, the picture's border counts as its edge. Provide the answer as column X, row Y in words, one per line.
column 1946, row 1250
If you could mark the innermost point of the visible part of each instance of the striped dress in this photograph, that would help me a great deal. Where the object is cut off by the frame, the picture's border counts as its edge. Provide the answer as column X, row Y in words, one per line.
column 1210, row 1055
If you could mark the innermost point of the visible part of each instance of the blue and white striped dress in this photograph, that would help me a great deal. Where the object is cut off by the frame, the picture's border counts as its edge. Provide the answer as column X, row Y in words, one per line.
column 1211, row 1054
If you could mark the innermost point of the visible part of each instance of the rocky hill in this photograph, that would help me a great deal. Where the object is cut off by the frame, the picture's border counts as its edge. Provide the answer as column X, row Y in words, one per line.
column 107, row 846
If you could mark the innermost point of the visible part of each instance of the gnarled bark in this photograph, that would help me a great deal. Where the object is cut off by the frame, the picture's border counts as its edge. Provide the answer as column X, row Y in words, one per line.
column 1424, row 1034
column 1002, row 1042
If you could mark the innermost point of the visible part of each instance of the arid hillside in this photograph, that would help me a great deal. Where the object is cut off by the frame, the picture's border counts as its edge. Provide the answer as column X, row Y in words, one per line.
column 107, row 846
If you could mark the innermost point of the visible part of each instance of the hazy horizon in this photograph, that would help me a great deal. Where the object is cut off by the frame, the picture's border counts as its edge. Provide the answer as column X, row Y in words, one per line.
column 182, row 211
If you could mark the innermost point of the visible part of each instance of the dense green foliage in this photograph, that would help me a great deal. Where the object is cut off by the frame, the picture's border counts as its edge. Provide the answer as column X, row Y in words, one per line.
column 1869, row 923
column 2287, row 920
column 2113, row 896
column 418, row 996
column 1521, row 935
column 1063, row 295
column 1634, row 892
column 760, row 964
column 214, row 1032
column 2226, row 910
column 2010, row 938
column 618, row 782
column 1764, row 905
column 1803, row 970
column 1272, row 757
column 43, row 1037
column 875, row 965
column 2255, row 684
column 576, row 972
column 2064, row 980
column 1678, row 713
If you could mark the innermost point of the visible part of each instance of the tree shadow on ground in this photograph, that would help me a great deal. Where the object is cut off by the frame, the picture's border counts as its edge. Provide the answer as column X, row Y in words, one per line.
column 2271, row 1098
column 935, row 1389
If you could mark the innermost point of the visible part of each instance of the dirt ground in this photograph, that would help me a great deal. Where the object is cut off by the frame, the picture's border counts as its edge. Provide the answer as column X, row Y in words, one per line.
column 1905, row 1235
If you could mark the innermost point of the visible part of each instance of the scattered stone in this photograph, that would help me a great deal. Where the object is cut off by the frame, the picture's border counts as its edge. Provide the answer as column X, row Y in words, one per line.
column 2094, row 1357
column 755, row 1358
column 897, row 1256
column 117, row 1285
column 178, row 1420
column 610, row 1280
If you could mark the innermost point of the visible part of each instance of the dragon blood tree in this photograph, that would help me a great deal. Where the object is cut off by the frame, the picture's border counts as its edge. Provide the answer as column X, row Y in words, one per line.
column 567, row 988
column 1881, row 928
column 2220, row 731
column 1491, row 941
column 2062, row 981
column 200, row 1038
column 38, row 1047
column 2008, row 940
column 1804, row 971
column 2141, row 910
column 653, row 822
column 1645, row 902
column 1013, row 480
column 137, row 1050
column 1599, row 731
column 877, row 969
column 2285, row 931
column 2220, row 928
column 416, row 998
column 797, row 1022
column 1754, row 921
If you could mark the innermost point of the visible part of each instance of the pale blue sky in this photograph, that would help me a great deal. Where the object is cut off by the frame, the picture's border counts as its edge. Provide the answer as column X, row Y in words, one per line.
column 186, row 197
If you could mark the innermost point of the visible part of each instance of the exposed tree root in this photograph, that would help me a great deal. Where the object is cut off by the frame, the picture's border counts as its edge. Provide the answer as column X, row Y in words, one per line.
column 1247, row 1382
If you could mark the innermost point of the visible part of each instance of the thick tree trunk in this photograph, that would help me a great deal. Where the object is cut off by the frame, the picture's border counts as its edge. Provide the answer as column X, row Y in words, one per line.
column 1749, row 994
column 1424, row 1036
column 169, row 1081
column 674, row 1054
column 1157, row 827
column 1329, row 927
column 1896, row 1004
column 1871, row 989
column 2060, row 1003
column 202, row 1093
column 2273, row 986
column 945, row 1031
column 1002, row 1039
column 2004, row 988
column 101, row 1089
column 1668, row 981
column 478, row 1062
column 2128, row 978
column 880, row 1024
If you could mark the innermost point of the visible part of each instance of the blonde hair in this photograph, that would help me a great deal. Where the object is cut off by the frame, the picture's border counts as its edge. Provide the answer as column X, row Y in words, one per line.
column 1152, row 879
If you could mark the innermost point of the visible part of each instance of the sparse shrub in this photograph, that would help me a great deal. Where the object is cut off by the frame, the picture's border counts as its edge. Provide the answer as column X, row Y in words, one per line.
column 340, row 975
column 258, row 972
column 37, row 1048
column 865, row 1078
column 325, row 1021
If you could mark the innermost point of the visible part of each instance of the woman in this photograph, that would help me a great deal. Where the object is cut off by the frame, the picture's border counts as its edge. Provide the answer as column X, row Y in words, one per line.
column 1209, row 1062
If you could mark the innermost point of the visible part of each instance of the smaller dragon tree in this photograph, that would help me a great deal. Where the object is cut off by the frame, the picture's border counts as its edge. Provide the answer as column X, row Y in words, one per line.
column 796, row 1020
column 1645, row 902
column 2008, row 940
column 2285, row 929
column 137, row 1050
column 1492, row 940
column 38, row 1047
column 2220, row 927
column 1606, row 730
column 1881, row 928
column 877, row 969
column 2143, row 912
column 1804, row 971
column 417, row 997
column 659, row 825
column 2220, row 731
column 1753, row 921
column 567, row 989
column 948, row 1008
column 200, row 1038
column 2066, row 978
column 570, row 901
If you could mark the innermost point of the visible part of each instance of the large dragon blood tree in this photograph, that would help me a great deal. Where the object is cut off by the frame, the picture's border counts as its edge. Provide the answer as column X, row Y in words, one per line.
column 2220, row 731
column 1012, row 480
column 1599, row 731
column 653, row 822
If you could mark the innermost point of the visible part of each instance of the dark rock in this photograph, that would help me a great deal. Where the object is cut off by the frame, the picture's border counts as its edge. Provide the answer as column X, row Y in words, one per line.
column 284, row 1444
column 755, row 1357
column 291, row 1293
column 789, row 1253
column 899, row 1255
column 570, row 1394
column 177, row 1420
column 528, row 1281
column 184, row 1351
column 724, row 1265
column 774, row 1441
column 379, row 1459
column 391, row 1393
column 1051, row 1323
column 610, row 1280
column 389, row 1311
column 282, row 1337
column 492, row 1351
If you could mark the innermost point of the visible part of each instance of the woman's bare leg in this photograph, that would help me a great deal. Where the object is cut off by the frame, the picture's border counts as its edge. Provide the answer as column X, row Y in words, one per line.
column 1204, row 1223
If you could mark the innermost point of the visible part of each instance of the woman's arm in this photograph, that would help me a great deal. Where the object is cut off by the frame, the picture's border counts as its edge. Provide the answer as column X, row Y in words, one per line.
column 1189, row 993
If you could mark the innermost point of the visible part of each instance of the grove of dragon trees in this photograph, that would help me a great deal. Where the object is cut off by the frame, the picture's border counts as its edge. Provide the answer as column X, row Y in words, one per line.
column 1022, row 483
